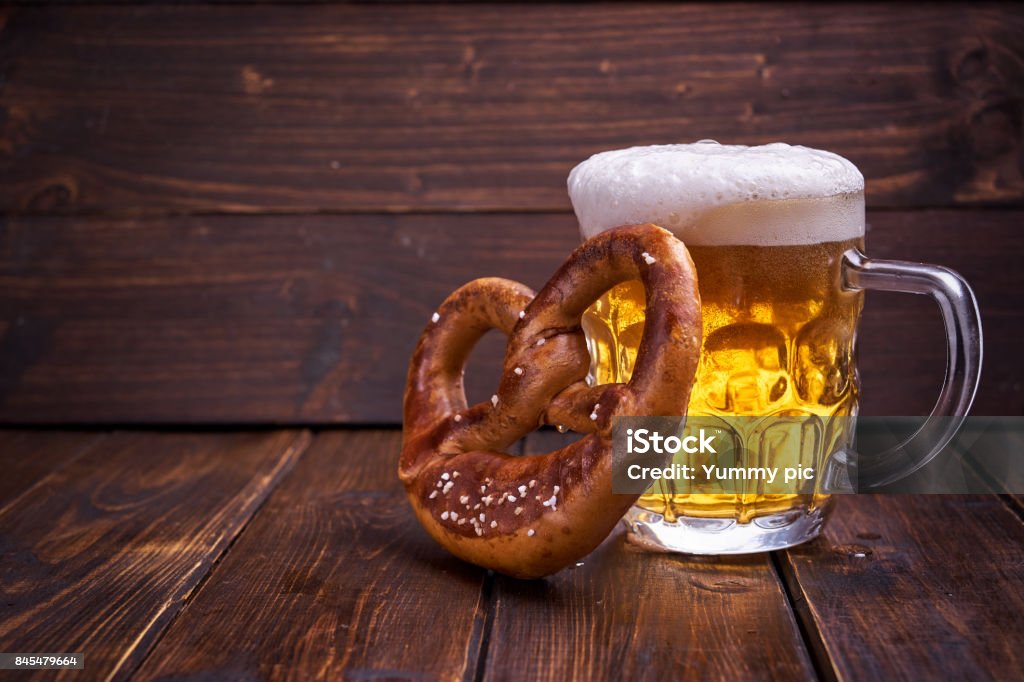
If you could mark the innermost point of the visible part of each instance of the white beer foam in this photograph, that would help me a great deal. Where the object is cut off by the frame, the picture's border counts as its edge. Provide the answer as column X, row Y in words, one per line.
column 712, row 194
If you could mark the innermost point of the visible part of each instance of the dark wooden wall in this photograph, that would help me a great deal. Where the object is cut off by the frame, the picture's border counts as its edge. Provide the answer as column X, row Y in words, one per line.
column 246, row 213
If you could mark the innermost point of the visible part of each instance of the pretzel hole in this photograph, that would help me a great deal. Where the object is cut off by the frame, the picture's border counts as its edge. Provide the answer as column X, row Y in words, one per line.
column 547, row 439
column 614, row 326
column 483, row 367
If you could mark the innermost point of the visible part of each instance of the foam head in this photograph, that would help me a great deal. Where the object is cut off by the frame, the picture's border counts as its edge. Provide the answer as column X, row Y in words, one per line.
column 712, row 194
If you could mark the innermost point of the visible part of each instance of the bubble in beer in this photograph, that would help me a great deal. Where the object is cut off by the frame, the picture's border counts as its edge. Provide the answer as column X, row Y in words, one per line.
column 713, row 194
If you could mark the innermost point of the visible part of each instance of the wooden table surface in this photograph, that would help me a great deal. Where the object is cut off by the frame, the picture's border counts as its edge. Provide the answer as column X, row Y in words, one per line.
column 291, row 554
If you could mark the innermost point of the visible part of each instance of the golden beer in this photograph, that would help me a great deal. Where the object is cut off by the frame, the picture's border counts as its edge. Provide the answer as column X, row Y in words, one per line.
column 767, row 228
column 778, row 341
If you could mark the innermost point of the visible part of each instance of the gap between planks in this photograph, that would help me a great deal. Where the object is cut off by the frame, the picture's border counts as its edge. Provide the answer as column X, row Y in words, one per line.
column 205, row 567
column 812, row 637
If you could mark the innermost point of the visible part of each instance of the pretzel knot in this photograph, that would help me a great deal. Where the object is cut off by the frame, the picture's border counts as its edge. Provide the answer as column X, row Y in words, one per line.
column 531, row 516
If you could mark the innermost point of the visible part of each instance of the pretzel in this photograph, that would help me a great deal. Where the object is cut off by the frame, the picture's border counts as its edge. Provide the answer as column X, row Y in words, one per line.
column 531, row 516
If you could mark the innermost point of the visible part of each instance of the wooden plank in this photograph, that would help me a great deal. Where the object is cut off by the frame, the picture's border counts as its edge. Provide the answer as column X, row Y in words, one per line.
column 902, row 349
column 629, row 614
column 934, row 578
column 101, row 557
column 334, row 579
column 487, row 107
column 28, row 457
column 308, row 319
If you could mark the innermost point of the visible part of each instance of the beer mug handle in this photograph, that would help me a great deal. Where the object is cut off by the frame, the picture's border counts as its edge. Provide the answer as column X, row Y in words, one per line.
column 962, row 321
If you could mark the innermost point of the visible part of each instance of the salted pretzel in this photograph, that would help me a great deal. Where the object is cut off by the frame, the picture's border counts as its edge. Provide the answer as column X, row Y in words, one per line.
column 531, row 516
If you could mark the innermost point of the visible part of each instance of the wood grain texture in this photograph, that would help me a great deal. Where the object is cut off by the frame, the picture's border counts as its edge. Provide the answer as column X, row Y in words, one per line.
column 28, row 457
column 100, row 557
column 487, row 107
column 334, row 579
column 915, row 587
column 313, row 318
column 627, row 614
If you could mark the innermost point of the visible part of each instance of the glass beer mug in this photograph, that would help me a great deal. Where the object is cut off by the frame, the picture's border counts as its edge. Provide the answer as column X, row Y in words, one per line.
column 776, row 234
